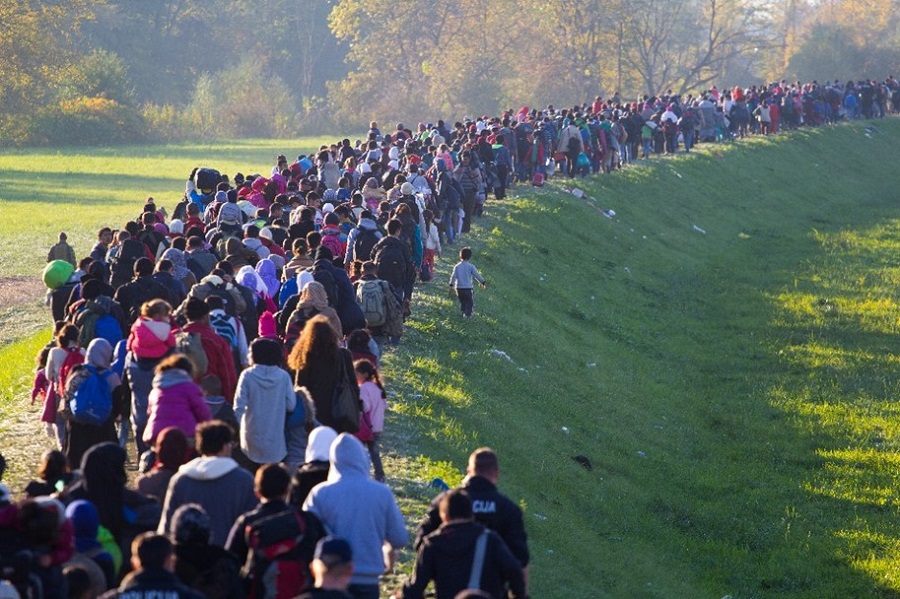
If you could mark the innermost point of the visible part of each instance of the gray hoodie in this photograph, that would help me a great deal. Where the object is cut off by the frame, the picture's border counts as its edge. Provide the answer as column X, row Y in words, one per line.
column 353, row 506
column 264, row 396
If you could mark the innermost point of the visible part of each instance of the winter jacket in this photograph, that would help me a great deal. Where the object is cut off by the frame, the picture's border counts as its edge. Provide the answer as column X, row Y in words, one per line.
column 150, row 338
column 219, row 485
column 264, row 396
column 131, row 296
column 152, row 584
column 175, row 400
column 446, row 557
column 364, row 224
column 493, row 509
column 353, row 506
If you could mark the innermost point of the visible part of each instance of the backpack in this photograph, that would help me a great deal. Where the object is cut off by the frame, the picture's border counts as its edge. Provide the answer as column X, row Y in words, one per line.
column 295, row 324
column 73, row 358
column 191, row 345
column 107, row 327
column 228, row 302
column 391, row 262
column 333, row 243
column 574, row 143
column 370, row 297
column 222, row 324
column 91, row 403
column 365, row 241
column 280, row 547
column 208, row 179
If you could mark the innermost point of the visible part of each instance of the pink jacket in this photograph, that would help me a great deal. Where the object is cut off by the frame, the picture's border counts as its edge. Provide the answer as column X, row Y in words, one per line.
column 374, row 404
column 175, row 400
column 150, row 338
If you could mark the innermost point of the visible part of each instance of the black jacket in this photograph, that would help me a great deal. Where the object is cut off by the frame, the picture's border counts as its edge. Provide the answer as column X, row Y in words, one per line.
column 152, row 584
column 446, row 556
column 492, row 509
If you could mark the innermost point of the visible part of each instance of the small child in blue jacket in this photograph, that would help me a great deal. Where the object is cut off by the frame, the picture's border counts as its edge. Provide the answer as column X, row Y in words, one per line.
column 463, row 278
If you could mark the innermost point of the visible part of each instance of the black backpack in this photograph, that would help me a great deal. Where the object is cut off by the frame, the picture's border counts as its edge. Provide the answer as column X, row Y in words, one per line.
column 365, row 241
column 391, row 262
column 122, row 266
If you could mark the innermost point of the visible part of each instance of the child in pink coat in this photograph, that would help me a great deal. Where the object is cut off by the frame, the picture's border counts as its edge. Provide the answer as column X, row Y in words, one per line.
column 151, row 335
column 374, row 400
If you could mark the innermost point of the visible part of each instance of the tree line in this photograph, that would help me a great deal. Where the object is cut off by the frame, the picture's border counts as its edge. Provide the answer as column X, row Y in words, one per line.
column 107, row 71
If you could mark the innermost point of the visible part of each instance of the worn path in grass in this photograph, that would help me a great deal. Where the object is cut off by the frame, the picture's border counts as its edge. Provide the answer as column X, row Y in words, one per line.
column 732, row 387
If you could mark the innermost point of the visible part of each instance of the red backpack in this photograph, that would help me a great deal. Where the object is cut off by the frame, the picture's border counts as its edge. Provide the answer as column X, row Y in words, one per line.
column 74, row 357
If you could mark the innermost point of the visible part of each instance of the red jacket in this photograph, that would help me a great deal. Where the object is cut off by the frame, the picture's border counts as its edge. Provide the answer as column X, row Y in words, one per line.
column 218, row 353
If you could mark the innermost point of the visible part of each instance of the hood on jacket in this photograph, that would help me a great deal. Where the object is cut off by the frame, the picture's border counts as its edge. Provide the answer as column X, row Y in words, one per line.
column 170, row 378
column 159, row 328
column 99, row 353
column 230, row 213
column 348, row 458
column 368, row 224
column 86, row 521
column 263, row 376
column 319, row 445
column 208, row 467
column 233, row 246
column 456, row 539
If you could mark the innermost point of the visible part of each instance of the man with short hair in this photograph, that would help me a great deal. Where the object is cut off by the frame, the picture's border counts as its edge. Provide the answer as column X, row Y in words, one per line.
column 153, row 575
column 332, row 569
column 274, row 522
column 463, row 554
column 490, row 507
column 142, row 288
column 199, row 259
column 214, row 481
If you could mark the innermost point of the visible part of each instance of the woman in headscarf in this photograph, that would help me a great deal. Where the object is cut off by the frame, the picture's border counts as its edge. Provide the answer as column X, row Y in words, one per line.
column 86, row 523
column 313, row 302
column 320, row 365
column 181, row 272
column 172, row 450
column 266, row 270
column 315, row 469
column 80, row 435
column 203, row 567
column 250, row 279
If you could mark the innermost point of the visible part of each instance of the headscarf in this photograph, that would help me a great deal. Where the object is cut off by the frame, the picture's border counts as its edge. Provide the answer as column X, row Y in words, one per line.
column 176, row 256
column 372, row 182
column 85, row 521
column 103, row 484
column 265, row 268
column 176, row 227
column 171, row 449
column 248, row 277
column 99, row 354
column 304, row 278
column 319, row 444
column 314, row 294
column 191, row 524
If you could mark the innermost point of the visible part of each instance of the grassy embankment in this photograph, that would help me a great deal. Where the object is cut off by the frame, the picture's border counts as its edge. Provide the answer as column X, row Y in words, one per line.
column 732, row 388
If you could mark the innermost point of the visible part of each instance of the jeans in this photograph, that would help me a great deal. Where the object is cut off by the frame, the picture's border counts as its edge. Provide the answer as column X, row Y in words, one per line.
column 141, row 380
column 450, row 220
column 375, row 456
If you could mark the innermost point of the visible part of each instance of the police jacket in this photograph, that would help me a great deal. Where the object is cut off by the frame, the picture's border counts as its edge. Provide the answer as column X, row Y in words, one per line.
column 492, row 509
column 152, row 584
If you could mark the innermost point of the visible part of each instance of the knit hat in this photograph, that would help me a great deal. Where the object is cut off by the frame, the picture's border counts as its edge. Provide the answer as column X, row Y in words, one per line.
column 407, row 189
column 267, row 325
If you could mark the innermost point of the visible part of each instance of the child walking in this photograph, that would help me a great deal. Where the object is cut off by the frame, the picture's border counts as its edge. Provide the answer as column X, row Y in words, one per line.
column 463, row 277
column 374, row 400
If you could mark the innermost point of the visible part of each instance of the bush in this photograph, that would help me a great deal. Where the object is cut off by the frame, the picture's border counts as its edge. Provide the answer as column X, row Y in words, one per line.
column 87, row 121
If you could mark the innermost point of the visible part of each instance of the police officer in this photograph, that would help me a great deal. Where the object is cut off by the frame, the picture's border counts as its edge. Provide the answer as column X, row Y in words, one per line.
column 491, row 508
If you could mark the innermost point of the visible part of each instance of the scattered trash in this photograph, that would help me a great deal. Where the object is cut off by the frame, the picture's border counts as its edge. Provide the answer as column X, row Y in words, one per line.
column 501, row 354
column 438, row 483
column 540, row 517
column 641, row 454
column 628, row 270
column 699, row 230
column 584, row 462
column 577, row 193
column 565, row 429
column 743, row 235
column 677, row 174
column 593, row 298
column 643, row 237
column 523, row 370
column 592, row 365
column 609, row 213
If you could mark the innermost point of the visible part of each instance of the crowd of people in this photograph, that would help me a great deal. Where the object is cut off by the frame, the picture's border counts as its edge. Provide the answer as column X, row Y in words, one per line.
column 235, row 347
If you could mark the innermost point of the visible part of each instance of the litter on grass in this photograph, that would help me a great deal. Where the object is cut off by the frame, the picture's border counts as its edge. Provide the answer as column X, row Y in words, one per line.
column 501, row 354
column 699, row 230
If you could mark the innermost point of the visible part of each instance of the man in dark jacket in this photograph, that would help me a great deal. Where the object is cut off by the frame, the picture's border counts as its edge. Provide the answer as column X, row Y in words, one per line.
column 141, row 289
column 394, row 259
column 348, row 310
column 153, row 576
column 491, row 508
column 275, row 521
column 463, row 554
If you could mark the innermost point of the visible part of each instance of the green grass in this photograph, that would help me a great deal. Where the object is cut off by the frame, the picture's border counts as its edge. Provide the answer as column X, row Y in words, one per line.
column 79, row 190
column 733, row 389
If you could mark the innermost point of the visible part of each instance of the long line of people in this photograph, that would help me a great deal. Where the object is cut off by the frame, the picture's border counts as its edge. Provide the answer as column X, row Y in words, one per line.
column 238, row 342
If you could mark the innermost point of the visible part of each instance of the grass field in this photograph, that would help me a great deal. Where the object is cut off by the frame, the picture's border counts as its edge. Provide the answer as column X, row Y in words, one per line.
column 723, row 352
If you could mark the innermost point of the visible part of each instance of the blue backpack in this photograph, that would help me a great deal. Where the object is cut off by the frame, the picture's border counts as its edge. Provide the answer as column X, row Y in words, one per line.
column 92, row 401
column 107, row 327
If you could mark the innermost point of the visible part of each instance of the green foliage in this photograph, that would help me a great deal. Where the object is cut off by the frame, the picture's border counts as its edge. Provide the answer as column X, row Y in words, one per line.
column 86, row 120
column 99, row 74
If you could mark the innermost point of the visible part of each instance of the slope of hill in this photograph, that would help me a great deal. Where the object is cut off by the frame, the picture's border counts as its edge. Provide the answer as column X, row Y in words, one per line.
column 722, row 352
